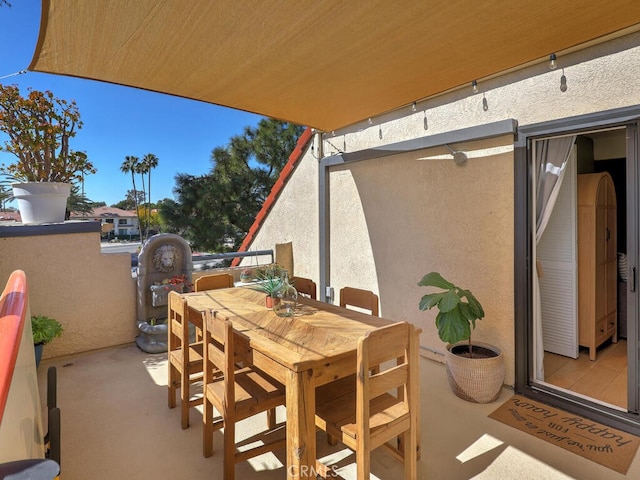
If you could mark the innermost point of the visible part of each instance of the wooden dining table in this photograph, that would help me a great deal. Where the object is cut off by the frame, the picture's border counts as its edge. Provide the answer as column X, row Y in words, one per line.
column 315, row 346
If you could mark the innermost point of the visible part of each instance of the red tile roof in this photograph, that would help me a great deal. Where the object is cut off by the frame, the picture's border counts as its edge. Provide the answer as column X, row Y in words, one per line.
column 106, row 212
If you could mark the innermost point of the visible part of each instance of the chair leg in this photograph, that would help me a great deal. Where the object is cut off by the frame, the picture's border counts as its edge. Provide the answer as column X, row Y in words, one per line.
column 229, row 462
column 184, row 396
column 331, row 440
column 172, row 381
column 207, row 428
column 271, row 419
column 363, row 464
column 410, row 455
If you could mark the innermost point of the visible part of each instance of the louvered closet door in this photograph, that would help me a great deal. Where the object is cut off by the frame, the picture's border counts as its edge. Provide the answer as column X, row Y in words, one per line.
column 557, row 254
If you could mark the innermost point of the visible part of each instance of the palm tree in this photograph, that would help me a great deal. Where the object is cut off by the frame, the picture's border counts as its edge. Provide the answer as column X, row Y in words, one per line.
column 142, row 169
column 150, row 161
column 130, row 165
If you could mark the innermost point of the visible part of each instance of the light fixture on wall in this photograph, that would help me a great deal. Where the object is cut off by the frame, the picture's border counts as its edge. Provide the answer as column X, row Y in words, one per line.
column 425, row 123
column 460, row 158
column 552, row 62
column 563, row 82
column 485, row 103
column 474, row 86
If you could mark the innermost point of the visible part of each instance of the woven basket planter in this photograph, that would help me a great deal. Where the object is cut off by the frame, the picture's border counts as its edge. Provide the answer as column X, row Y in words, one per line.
column 476, row 380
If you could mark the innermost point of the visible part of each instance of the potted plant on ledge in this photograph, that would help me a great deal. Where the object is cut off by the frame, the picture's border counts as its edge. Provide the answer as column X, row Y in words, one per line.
column 44, row 329
column 475, row 370
column 39, row 127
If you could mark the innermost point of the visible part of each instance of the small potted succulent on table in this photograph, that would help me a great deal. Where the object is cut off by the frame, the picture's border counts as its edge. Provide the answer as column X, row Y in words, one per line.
column 269, row 280
column 44, row 329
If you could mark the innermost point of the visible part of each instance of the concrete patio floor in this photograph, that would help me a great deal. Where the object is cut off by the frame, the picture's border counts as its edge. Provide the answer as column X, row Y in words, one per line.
column 116, row 424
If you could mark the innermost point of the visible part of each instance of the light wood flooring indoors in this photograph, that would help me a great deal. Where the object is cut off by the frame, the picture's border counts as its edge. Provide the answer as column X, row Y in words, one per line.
column 605, row 379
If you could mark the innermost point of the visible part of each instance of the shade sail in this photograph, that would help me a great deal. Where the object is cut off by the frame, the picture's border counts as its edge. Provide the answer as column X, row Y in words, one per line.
column 325, row 64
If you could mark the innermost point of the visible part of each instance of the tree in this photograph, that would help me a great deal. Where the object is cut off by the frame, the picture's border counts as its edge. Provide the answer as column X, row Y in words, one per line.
column 212, row 209
column 5, row 196
column 40, row 127
column 130, row 165
column 78, row 202
column 131, row 201
column 149, row 161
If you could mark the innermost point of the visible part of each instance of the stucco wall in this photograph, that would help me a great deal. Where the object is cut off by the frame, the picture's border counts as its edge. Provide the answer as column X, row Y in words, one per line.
column 393, row 219
column 294, row 217
column 92, row 295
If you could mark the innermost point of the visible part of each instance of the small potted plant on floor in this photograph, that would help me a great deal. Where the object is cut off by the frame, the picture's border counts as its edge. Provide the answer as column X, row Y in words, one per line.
column 44, row 329
column 475, row 370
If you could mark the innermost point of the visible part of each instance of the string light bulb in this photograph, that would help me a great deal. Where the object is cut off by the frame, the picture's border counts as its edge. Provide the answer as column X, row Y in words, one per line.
column 563, row 82
column 552, row 62
column 474, row 86
column 414, row 107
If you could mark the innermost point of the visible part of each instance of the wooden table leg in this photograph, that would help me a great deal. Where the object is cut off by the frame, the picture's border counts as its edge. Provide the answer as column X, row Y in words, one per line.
column 301, row 426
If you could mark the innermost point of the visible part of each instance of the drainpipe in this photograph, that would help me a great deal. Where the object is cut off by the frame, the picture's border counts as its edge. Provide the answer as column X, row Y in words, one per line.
column 323, row 221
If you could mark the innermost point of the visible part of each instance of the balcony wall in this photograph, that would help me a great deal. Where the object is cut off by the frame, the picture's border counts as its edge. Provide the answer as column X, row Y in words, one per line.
column 92, row 295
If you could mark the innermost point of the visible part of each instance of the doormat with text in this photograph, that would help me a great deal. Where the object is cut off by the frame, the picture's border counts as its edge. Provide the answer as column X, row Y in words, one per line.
column 607, row 446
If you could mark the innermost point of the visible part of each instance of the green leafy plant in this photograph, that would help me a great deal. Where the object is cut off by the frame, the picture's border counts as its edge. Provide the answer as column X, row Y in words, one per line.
column 40, row 126
column 458, row 309
column 269, row 279
column 45, row 329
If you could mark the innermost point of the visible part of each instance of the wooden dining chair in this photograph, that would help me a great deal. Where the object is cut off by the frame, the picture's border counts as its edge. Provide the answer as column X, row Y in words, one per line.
column 375, row 413
column 213, row 282
column 184, row 358
column 239, row 393
column 305, row 286
column 355, row 297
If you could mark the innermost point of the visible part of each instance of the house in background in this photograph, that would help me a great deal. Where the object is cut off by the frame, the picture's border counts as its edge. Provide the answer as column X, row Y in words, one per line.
column 115, row 221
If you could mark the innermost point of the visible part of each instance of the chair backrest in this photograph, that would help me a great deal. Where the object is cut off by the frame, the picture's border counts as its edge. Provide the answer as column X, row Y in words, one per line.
column 178, row 327
column 396, row 343
column 356, row 297
column 306, row 286
column 284, row 256
column 213, row 282
column 219, row 353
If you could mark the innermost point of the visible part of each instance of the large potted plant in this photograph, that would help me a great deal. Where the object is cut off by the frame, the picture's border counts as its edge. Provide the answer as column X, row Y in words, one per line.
column 475, row 370
column 44, row 329
column 39, row 127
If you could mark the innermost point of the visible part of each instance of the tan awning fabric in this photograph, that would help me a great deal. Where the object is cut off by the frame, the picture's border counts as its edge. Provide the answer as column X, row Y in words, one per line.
column 324, row 64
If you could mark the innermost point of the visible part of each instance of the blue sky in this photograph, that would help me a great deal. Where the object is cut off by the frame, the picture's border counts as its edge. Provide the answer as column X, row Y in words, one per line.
column 120, row 121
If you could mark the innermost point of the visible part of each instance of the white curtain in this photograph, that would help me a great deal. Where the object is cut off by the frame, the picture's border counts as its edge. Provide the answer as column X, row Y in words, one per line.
column 551, row 157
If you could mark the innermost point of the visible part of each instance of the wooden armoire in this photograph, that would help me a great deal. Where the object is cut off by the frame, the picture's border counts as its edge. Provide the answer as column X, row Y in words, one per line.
column 597, row 261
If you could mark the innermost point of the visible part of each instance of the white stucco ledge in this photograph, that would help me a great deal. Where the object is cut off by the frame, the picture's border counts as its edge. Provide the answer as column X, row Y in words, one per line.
column 16, row 229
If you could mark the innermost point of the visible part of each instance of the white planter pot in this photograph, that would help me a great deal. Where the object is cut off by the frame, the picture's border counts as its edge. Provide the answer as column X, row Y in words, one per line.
column 41, row 202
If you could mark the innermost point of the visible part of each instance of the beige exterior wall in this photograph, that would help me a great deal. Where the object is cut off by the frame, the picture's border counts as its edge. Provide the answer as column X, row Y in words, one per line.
column 92, row 295
column 294, row 217
column 396, row 218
